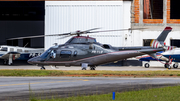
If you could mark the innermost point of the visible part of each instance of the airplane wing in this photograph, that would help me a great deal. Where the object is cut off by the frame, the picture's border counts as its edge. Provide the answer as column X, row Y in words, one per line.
column 14, row 55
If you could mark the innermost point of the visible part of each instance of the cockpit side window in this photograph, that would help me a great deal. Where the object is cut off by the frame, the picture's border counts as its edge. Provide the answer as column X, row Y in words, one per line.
column 4, row 49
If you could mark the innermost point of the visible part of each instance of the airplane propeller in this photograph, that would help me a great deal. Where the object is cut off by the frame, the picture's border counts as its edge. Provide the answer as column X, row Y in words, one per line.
column 78, row 33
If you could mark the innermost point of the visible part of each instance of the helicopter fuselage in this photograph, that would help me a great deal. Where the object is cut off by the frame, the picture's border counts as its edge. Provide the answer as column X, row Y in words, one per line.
column 91, row 54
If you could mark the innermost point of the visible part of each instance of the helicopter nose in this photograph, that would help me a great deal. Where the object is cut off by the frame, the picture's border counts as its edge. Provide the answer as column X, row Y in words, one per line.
column 31, row 61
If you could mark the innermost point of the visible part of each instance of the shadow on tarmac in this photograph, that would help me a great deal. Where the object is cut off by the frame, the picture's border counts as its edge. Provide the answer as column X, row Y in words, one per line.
column 16, row 62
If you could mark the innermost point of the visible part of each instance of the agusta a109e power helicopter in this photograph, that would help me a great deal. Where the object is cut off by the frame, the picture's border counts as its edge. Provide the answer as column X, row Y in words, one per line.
column 84, row 51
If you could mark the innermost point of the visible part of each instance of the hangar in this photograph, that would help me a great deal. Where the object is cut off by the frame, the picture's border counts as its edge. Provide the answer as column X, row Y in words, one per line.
column 22, row 18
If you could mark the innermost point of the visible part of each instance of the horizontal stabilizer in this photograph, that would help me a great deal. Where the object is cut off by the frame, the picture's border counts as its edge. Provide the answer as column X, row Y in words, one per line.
column 169, row 48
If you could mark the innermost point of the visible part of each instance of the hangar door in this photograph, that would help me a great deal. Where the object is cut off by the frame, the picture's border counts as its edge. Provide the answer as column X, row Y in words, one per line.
column 69, row 16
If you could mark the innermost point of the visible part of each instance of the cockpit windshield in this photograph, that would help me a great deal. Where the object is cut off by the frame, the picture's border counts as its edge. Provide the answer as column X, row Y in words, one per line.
column 3, row 49
column 50, row 53
column 45, row 54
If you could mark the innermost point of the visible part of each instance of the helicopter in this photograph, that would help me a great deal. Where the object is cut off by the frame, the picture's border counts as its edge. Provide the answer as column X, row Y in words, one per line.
column 85, row 51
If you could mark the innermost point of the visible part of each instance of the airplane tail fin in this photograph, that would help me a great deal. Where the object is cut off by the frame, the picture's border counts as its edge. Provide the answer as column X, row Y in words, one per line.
column 164, row 34
column 159, row 42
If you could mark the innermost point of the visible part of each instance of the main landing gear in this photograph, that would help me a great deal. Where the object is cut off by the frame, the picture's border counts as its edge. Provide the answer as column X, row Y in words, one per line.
column 146, row 65
column 167, row 66
column 85, row 65
column 43, row 68
column 92, row 67
column 175, row 65
column 6, row 62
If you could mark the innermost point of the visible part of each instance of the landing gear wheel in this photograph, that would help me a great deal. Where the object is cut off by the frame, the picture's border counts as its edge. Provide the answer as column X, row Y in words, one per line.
column 10, row 64
column 165, row 65
column 83, row 68
column 169, row 67
column 175, row 65
column 42, row 68
column 92, row 68
column 146, row 65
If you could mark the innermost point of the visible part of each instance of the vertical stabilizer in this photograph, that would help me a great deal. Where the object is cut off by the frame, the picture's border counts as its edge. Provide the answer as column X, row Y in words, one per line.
column 164, row 34
column 159, row 42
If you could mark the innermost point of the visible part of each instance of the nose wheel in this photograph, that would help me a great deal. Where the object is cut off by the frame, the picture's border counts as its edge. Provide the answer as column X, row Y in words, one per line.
column 43, row 68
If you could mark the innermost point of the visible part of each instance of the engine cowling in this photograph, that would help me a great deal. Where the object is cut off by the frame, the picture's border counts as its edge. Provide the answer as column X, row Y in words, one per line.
column 107, row 46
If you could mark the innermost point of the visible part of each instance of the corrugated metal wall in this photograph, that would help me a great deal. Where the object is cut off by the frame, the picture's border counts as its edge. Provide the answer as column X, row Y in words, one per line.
column 65, row 16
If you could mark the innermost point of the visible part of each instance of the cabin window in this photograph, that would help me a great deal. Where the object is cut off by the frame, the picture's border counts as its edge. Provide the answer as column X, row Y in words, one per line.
column 11, row 49
column 65, row 54
column 19, row 50
column 26, row 51
column 75, row 53
column 4, row 49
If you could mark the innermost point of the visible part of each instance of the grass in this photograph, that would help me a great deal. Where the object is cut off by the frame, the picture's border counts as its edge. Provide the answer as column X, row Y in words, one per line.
column 155, row 94
column 87, row 73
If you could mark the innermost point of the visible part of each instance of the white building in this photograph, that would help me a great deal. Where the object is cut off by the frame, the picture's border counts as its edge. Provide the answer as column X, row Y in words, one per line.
column 69, row 16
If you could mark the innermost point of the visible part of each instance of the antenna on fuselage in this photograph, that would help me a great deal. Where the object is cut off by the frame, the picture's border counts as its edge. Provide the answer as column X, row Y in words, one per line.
column 26, row 45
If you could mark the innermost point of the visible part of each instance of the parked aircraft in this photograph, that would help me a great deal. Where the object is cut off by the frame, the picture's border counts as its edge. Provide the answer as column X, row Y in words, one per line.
column 84, row 51
column 10, row 53
column 168, row 56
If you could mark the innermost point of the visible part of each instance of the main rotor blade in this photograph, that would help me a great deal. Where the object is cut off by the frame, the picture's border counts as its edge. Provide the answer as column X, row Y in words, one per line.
column 38, row 36
column 75, row 33
column 26, row 37
column 62, row 37
column 91, row 29
column 117, row 30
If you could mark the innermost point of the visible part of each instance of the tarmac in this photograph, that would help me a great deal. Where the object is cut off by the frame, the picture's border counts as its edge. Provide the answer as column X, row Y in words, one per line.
column 24, row 88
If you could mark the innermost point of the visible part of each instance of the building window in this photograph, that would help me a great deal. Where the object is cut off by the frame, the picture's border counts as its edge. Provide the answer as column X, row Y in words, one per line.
column 153, row 9
column 175, row 42
column 146, row 42
column 174, row 6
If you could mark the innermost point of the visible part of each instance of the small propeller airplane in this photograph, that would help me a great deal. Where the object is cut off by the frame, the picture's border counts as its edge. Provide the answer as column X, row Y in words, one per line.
column 168, row 56
column 10, row 53
column 85, row 51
